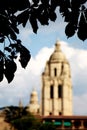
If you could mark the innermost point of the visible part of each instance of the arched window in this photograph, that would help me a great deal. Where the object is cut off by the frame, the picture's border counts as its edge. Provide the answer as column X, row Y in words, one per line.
column 55, row 72
column 59, row 91
column 51, row 91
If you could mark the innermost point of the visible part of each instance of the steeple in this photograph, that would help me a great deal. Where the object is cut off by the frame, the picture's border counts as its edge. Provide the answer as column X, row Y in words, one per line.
column 57, row 46
column 20, row 103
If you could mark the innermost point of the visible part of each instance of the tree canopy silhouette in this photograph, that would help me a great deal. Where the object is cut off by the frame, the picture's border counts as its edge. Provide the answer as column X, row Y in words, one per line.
column 16, row 12
column 20, row 119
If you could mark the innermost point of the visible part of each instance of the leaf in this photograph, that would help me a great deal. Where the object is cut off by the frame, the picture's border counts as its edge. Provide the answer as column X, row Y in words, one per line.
column 52, row 16
column 54, row 4
column 9, row 76
column 10, row 64
column 67, row 3
column 14, row 45
column 1, row 65
column 2, row 39
column 82, row 34
column 10, row 68
column 85, row 13
column 43, row 18
column 24, row 54
column 12, row 34
column 12, row 57
column 36, row 2
column 75, row 5
column 68, row 16
column 64, row 7
column 70, row 30
column 82, row 29
column 23, row 4
column 45, row 3
column 23, row 17
column 7, row 49
column 82, row 20
column 15, row 28
column 18, row 5
column 82, row 1
column 2, row 55
column 1, row 69
column 24, row 57
column 33, row 22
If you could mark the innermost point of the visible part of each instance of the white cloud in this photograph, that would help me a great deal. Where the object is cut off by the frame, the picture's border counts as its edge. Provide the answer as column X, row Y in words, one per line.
column 38, row 62
column 26, row 80
column 78, row 62
column 80, row 103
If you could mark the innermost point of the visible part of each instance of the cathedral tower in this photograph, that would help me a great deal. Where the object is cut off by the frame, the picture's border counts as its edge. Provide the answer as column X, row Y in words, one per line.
column 56, row 85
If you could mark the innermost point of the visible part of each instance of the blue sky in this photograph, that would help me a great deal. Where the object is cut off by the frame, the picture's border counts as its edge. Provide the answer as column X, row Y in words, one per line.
column 41, row 45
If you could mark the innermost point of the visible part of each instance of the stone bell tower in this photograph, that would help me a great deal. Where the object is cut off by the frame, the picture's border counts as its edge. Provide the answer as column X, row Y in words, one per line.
column 56, row 85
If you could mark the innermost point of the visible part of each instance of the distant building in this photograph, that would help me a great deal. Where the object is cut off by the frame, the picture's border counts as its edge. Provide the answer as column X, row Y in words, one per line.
column 34, row 106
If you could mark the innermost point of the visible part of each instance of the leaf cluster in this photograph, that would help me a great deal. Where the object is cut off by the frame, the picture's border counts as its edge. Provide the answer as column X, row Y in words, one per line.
column 16, row 12
column 75, row 14
column 15, row 112
column 8, row 66
column 13, row 13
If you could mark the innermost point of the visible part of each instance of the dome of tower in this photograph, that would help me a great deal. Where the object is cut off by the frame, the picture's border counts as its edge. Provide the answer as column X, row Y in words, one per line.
column 34, row 93
column 57, row 55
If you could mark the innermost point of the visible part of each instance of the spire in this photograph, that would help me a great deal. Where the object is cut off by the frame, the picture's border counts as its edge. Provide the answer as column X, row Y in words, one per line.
column 20, row 103
column 57, row 46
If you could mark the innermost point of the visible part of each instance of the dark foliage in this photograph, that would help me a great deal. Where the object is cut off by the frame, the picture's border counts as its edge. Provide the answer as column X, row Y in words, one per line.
column 49, row 126
column 15, row 112
column 16, row 12
column 7, row 63
column 20, row 119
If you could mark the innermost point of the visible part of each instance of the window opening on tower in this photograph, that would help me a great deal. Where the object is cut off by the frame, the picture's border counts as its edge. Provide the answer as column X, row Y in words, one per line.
column 51, row 91
column 55, row 72
column 59, row 91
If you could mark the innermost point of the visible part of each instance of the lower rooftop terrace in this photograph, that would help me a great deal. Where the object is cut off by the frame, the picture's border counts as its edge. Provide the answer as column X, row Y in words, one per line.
column 67, row 122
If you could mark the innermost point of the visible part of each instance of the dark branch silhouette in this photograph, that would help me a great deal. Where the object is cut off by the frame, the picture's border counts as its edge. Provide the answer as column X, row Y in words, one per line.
column 16, row 12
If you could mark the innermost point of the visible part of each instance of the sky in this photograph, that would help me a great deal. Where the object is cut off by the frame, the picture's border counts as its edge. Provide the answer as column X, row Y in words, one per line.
column 41, row 46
